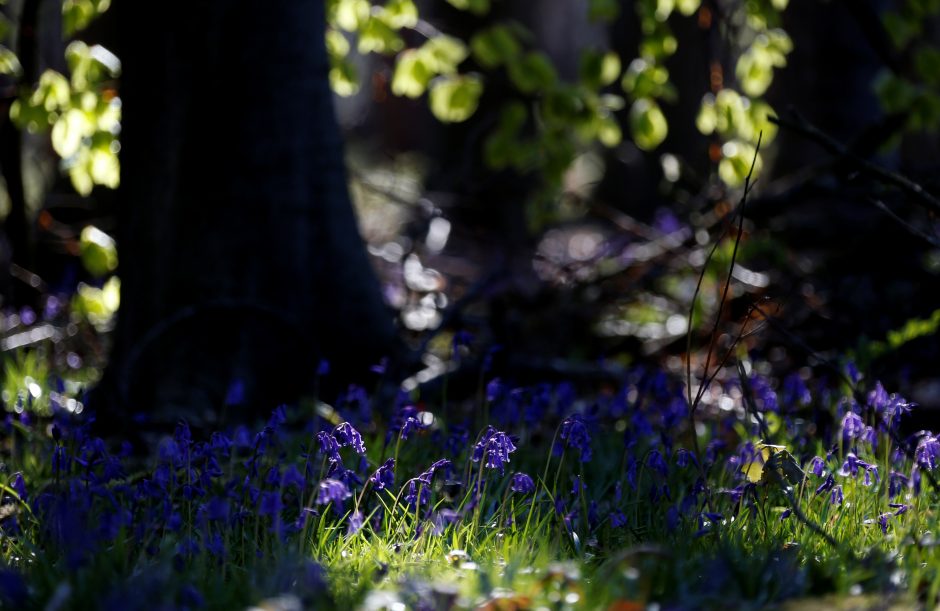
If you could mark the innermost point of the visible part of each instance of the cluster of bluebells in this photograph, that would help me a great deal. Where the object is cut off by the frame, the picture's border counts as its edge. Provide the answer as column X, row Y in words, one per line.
column 200, row 496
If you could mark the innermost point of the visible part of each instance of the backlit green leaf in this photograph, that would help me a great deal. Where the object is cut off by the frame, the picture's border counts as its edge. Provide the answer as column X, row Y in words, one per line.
column 647, row 124
column 687, row 7
column 477, row 7
column 401, row 13
column 599, row 69
column 98, row 251
column 455, row 98
column 411, row 75
column 533, row 72
column 379, row 37
column 9, row 63
column 442, row 54
column 495, row 46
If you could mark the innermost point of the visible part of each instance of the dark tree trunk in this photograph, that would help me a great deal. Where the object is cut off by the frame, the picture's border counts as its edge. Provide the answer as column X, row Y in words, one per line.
column 240, row 255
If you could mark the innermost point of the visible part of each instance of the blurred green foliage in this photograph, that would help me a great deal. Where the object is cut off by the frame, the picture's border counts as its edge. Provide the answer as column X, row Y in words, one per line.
column 82, row 111
column 912, row 89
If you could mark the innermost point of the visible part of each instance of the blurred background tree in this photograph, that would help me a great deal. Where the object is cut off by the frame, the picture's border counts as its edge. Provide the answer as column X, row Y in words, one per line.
column 549, row 177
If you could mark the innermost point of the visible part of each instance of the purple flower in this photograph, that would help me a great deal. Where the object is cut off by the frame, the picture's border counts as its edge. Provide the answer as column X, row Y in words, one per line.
column 617, row 519
column 216, row 546
column 827, row 485
column 836, row 497
column 878, row 398
column 657, row 463
column 428, row 475
column 522, row 484
column 764, row 393
column 896, row 483
column 795, row 393
column 685, row 457
column 928, row 449
column 495, row 389
column 896, row 409
column 900, row 508
column 236, row 393
column 883, row 522
column 346, row 435
column 443, row 519
column 270, row 504
column 19, row 486
column 356, row 520
column 329, row 447
column 852, row 371
column 852, row 426
column 293, row 477
column 384, row 476
column 817, row 466
column 494, row 449
column 575, row 435
column 217, row 509
column 418, row 492
column 332, row 491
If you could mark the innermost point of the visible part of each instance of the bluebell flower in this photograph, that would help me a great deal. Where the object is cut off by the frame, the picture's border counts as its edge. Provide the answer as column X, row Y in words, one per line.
column 235, row 395
column 346, row 435
column 899, row 508
column 428, row 475
column 817, row 466
column 835, row 496
column 187, row 547
column 418, row 493
column 278, row 417
column 19, row 486
column 217, row 509
column 685, row 457
column 347, row 476
column 494, row 449
column 332, row 491
column 852, row 372
column 914, row 482
column 896, row 408
column 384, row 476
column 293, row 478
column 927, row 451
column 672, row 518
column 577, row 485
column 356, row 520
column 657, row 463
column 522, row 484
column 215, row 545
column 329, row 447
column 852, row 426
column 878, row 398
column 617, row 519
column 764, row 393
column 896, row 483
column 826, row 485
column 495, row 389
column 575, row 434
column 444, row 518
column 794, row 392
column 883, row 522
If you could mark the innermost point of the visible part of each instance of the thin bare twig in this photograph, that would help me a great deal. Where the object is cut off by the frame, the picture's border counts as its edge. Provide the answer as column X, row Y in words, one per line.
column 800, row 125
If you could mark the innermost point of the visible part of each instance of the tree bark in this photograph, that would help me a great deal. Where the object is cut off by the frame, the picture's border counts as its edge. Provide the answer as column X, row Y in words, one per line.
column 240, row 258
